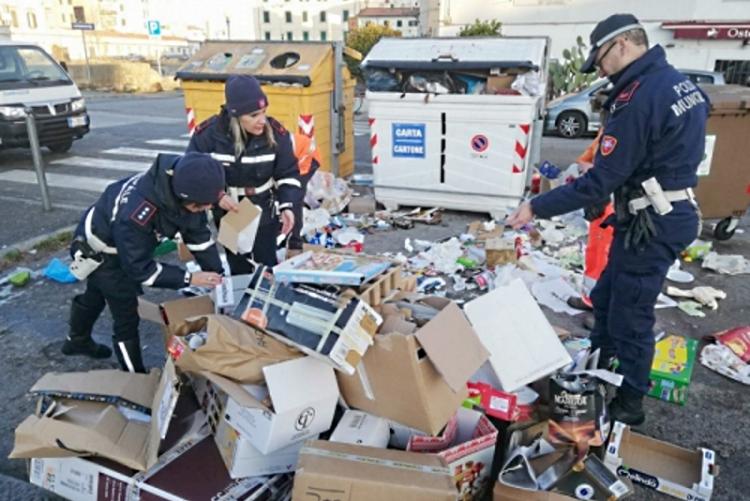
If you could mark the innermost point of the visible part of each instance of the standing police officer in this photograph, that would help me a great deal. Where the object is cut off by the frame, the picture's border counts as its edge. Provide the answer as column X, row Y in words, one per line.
column 257, row 153
column 117, row 236
column 648, row 156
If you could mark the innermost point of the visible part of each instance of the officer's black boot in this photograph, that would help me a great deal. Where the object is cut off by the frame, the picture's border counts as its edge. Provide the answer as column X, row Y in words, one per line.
column 79, row 341
column 129, row 355
column 627, row 407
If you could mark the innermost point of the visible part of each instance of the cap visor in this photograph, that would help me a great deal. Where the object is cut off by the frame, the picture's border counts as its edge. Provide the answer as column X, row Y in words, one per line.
column 588, row 65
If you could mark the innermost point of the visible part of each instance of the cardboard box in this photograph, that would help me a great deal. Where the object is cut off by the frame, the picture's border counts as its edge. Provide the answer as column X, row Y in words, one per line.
column 660, row 466
column 417, row 377
column 238, row 229
column 499, row 251
column 192, row 470
column 361, row 428
column 498, row 83
column 339, row 472
column 243, row 460
column 303, row 396
column 321, row 267
column 170, row 315
column 118, row 415
column 335, row 328
column 232, row 349
column 672, row 369
column 468, row 446
column 523, row 345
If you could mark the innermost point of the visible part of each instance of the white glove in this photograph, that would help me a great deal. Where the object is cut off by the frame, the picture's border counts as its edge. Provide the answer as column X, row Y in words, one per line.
column 705, row 295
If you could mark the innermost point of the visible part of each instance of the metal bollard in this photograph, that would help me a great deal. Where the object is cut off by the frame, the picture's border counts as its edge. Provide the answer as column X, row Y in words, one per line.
column 36, row 154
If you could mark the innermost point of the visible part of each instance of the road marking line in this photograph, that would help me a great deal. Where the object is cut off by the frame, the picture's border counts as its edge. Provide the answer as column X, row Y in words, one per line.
column 85, row 183
column 103, row 163
column 181, row 143
column 139, row 152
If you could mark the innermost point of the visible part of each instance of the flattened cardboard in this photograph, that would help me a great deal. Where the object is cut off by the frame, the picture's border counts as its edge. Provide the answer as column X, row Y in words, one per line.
column 243, row 460
column 504, row 492
column 679, row 472
column 299, row 411
column 361, row 428
column 334, row 471
column 171, row 314
column 399, row 381
column 238, row 229
column 98, row 428
column 523, row 345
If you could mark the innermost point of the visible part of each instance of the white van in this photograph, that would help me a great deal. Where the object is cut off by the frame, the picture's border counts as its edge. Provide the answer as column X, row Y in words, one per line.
column 29, row 77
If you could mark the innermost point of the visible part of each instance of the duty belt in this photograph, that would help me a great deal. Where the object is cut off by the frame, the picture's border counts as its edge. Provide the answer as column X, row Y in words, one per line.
column 236, row 191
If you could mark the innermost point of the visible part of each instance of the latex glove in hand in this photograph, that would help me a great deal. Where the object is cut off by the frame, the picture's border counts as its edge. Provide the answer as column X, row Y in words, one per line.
column 705, row 295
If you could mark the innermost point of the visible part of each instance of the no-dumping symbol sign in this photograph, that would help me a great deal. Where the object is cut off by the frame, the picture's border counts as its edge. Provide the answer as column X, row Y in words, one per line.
column 480, row 143
column 408, row 140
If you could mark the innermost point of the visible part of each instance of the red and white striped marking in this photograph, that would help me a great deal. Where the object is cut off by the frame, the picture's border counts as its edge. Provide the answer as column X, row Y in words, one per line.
column 306, row 125
column 373, row 141
column 190, row 120
column 521, row 148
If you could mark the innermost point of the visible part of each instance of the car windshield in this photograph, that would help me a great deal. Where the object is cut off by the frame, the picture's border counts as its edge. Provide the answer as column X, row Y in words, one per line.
column 23, row 67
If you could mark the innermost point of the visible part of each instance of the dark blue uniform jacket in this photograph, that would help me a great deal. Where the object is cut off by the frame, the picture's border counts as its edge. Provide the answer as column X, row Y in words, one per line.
column 657, row 127
column 135, row 213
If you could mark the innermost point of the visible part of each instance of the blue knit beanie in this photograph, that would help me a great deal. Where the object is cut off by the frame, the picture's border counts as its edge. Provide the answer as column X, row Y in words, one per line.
column 198, row 178
column 244, row 95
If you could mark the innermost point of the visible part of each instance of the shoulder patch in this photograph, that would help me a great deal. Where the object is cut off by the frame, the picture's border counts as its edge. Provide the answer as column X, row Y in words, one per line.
column 277, row 126
column 204, row 124
column 607, row 145
column 143, row 213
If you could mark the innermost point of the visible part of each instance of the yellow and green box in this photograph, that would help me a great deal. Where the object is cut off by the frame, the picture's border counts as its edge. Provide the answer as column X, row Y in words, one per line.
column 672, row 369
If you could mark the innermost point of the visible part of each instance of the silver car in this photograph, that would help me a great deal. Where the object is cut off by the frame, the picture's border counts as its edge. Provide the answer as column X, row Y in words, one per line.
column 571, row 116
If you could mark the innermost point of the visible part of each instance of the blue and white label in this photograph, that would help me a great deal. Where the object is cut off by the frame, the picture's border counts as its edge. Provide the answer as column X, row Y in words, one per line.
column 408, row 140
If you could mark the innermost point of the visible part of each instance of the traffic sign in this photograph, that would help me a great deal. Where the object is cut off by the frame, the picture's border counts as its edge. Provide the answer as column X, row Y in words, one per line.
column 82, row 26
column 154, row 28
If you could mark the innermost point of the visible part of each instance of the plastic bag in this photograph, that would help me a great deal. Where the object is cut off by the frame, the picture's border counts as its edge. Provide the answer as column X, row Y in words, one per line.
column 382, row 81
column 528, row 84
column 58, row 271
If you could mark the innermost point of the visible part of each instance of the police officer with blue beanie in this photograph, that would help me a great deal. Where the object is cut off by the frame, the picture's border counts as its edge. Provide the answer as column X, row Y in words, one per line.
column 114, row 248
column 257, row 154
column 648, row 157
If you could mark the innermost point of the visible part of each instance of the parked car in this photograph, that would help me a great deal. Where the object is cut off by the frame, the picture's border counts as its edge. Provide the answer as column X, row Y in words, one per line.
column 571, row 115
column 30, row 78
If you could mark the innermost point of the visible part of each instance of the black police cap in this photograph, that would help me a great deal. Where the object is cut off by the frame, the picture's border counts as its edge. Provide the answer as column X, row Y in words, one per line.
column 605, row 31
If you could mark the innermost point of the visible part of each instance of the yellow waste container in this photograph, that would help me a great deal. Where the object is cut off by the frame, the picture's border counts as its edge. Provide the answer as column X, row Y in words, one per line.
column 308, row 86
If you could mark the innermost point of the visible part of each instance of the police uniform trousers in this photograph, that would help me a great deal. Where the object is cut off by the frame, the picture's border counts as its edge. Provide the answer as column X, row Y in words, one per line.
column 625, row 295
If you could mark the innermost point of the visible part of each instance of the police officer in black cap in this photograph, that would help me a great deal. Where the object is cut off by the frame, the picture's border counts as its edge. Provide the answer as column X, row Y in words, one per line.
column 257, row 153
column 648, row 157
column 115, row 242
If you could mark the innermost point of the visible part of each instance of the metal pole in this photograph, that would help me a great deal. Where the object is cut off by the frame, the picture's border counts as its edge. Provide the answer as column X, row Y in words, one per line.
column 86, row 55
column 158, row 58
column 338, row 111
column 36, row 154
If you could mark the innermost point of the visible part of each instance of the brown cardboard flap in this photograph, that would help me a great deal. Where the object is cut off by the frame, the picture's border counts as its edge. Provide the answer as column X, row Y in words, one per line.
column 233, row 223
column 173, row 313
column 504, row 492
column 661, row 459
column 456, row 358
column 135, row 388
column 395, row 323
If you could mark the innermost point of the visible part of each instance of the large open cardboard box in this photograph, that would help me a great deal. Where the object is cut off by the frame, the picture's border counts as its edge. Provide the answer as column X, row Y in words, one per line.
column 417, row 376
column 170, row 315
column 334, row 471
column 679, row 472
column 117, row 415
column 303, row 396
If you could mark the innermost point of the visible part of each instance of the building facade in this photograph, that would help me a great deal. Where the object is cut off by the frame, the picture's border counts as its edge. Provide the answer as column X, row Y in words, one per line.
column 403, row 19
column 709, row 35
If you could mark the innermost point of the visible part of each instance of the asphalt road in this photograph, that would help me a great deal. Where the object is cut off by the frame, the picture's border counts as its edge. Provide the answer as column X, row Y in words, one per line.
column 33, row 319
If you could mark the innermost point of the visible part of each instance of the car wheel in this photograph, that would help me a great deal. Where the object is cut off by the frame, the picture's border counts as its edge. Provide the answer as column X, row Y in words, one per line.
column 61, row 146
column 571, row 124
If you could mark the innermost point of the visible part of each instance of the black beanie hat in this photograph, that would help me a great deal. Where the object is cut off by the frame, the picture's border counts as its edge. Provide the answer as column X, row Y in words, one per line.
column 244, row 95
column 198, row 178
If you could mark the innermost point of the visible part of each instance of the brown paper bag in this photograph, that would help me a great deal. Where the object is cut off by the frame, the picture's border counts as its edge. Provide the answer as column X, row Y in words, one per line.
column 233, row 349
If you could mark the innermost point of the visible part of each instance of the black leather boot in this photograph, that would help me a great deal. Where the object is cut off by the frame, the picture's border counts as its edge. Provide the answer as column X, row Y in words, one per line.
column 79, row 341
column 129, row 355
column 627, row 407
column 578, row 303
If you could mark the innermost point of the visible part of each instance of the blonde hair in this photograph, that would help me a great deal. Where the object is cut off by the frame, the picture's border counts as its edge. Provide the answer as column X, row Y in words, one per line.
column 239, row 134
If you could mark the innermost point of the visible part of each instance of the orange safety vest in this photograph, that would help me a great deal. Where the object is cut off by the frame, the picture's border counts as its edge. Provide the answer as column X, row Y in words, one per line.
column 306, row 152
column 600, row 239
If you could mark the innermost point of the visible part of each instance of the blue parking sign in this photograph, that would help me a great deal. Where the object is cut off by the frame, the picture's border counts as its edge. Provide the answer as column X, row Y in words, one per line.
column 154, row 28
column 408, row 140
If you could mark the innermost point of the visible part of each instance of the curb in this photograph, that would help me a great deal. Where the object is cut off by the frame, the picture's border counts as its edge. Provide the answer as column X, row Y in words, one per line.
column 28, row 244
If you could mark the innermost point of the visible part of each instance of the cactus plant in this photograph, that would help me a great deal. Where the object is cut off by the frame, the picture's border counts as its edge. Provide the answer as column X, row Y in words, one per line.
column 565, row 76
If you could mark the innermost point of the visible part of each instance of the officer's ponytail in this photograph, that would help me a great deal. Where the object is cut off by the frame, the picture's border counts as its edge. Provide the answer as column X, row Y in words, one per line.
column 239, row 135
column 269, row 136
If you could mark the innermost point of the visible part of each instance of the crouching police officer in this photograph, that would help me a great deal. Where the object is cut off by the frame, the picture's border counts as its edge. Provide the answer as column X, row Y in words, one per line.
column 257, row 153
column 648, row 156
column 115, row 242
